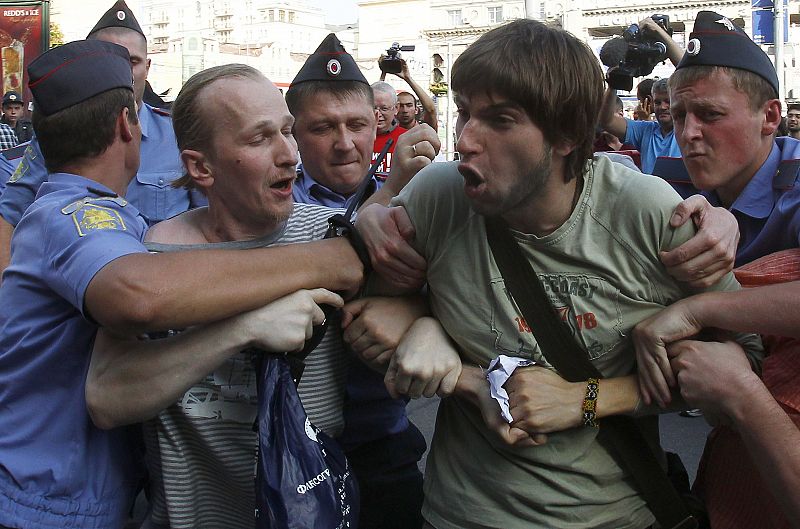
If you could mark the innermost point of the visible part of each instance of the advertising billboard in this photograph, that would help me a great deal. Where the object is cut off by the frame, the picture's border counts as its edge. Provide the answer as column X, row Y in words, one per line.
column 24, row 35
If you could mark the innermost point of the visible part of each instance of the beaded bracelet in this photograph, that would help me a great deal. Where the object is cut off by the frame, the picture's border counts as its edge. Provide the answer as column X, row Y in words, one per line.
column 590, row 403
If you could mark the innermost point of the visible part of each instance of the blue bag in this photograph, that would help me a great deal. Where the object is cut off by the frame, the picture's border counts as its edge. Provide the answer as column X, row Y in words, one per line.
column 303, row 480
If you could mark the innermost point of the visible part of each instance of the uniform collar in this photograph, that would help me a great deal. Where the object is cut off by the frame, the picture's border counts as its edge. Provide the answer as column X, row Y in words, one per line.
column 145, row 119
column 757, row 199
column 77, row 180
column 320, row 194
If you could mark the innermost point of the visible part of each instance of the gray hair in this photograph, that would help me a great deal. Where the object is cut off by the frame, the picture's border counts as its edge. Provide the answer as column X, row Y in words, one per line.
column 386, row 88
column 661, row 85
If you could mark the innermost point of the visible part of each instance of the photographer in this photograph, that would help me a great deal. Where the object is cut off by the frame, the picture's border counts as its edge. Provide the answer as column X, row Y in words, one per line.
column 651, row 138
column 429, row 116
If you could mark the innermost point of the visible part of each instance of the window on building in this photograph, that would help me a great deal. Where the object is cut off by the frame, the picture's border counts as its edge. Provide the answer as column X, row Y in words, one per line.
column 192, row 44
column 495, row 15
column 272, row 15
column 454, row 17
column 291, row 17
column 281, row 15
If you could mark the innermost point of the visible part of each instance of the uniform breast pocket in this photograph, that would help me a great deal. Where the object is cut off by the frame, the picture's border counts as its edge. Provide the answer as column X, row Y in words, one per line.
column 152, row 193
column 160, row 179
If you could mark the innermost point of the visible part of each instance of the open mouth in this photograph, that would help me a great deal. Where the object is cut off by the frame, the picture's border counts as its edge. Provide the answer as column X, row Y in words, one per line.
column 473, row 183
column 283, row 185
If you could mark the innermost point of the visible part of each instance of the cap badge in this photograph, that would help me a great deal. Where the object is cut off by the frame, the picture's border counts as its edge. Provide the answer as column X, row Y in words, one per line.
column 693, row 47
column 334, row 67
column 121, row 15
column 725, row 22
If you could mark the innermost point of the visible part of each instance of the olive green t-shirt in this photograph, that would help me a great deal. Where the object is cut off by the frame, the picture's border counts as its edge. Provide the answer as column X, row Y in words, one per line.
column 602, row 274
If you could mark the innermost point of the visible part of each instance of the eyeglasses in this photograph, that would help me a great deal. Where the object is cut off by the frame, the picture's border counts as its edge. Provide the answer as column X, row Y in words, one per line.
column 384, row 109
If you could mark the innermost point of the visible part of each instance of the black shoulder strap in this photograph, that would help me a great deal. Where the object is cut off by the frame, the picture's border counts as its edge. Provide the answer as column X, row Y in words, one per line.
column 620, row 435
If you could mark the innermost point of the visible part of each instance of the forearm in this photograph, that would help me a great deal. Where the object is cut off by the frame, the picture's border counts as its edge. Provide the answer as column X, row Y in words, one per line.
column 773, row 442
column 770, row 309
column 616, row 396
column 427, row 104
column 147, row 292
column 609, row 120
column 132, row 380
column 470, row 383
column 674, row 52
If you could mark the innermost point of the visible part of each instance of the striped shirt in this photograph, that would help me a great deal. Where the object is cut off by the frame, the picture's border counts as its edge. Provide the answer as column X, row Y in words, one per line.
column 201, row 451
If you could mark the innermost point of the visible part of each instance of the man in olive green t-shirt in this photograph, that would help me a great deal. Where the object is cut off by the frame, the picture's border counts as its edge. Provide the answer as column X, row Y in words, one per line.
column 593, row 231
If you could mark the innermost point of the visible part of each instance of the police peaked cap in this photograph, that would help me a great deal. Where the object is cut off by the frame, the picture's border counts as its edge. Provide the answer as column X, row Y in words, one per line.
column 717, row 41
column 70, row 74
column 119, row 16
column 12, row 97
column 330, row 62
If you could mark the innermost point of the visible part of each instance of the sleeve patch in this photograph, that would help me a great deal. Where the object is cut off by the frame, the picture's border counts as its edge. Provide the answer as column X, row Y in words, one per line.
column 93, row 217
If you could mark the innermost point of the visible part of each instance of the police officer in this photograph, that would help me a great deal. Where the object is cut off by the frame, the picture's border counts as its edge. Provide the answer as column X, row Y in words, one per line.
column 78, row 226
column 79, row 263
column 150, row 191
column 726, row 106
column 335, row 126
column 13, row 109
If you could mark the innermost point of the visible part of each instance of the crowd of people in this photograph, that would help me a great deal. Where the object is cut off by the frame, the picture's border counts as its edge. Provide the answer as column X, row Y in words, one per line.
column 556, row 300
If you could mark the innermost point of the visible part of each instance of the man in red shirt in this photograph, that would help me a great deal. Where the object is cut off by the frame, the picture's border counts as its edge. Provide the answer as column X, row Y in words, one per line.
column 388, row 127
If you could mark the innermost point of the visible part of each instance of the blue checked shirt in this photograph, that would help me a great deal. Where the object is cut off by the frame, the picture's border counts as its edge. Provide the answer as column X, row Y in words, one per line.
column 7, row 137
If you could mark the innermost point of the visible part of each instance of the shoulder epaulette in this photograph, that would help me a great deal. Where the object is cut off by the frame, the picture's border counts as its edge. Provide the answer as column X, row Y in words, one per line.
column 787, row 174
column 16, row 152
column 162, row 112
column 80, row 204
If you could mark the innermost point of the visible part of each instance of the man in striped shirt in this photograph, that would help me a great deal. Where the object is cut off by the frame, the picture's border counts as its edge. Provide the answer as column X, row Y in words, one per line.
column 234, row 131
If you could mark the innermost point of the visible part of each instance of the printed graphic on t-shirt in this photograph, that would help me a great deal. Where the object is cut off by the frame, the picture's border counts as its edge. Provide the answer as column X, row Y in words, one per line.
column 589, row 305
column 227, row 394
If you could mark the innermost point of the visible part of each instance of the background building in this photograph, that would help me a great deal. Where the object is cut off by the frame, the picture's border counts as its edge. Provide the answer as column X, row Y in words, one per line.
column 276, row 36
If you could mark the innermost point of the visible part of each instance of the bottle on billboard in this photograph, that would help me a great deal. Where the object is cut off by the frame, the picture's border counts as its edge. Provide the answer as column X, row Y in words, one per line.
column 13, row 57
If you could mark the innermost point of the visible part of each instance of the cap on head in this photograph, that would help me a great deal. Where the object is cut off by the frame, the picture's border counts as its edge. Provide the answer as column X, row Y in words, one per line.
column 72, row 73
column 330, row 62
column 119, row 16
column 12, row 97
column 717, row 41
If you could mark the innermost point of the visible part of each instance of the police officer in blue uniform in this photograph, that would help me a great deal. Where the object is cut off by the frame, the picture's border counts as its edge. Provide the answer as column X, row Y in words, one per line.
column 58, row 470
column 381, row 444
column 79, row 263
column 726, row 106
column 150, row 191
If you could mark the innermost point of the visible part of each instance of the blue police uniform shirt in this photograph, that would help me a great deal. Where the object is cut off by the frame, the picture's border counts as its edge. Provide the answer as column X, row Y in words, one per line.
column 151, row 192
column 58, row 469
column 647, row 137
column 6, row 170
column 768, row 213
column 370, row 413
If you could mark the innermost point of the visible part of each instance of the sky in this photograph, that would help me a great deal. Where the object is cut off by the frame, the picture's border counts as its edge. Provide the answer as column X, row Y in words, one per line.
column 337, row 11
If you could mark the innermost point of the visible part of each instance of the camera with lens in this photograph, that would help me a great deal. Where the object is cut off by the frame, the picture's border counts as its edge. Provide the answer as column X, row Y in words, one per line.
column 634, row 54
column 392, row 63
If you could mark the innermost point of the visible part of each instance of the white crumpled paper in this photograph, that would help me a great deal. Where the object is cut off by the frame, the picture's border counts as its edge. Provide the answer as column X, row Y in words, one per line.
column 500, row 370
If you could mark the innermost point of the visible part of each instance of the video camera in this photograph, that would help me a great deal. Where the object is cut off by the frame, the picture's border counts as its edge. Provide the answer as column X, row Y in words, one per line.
column 391, row 63
column 634, row 54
